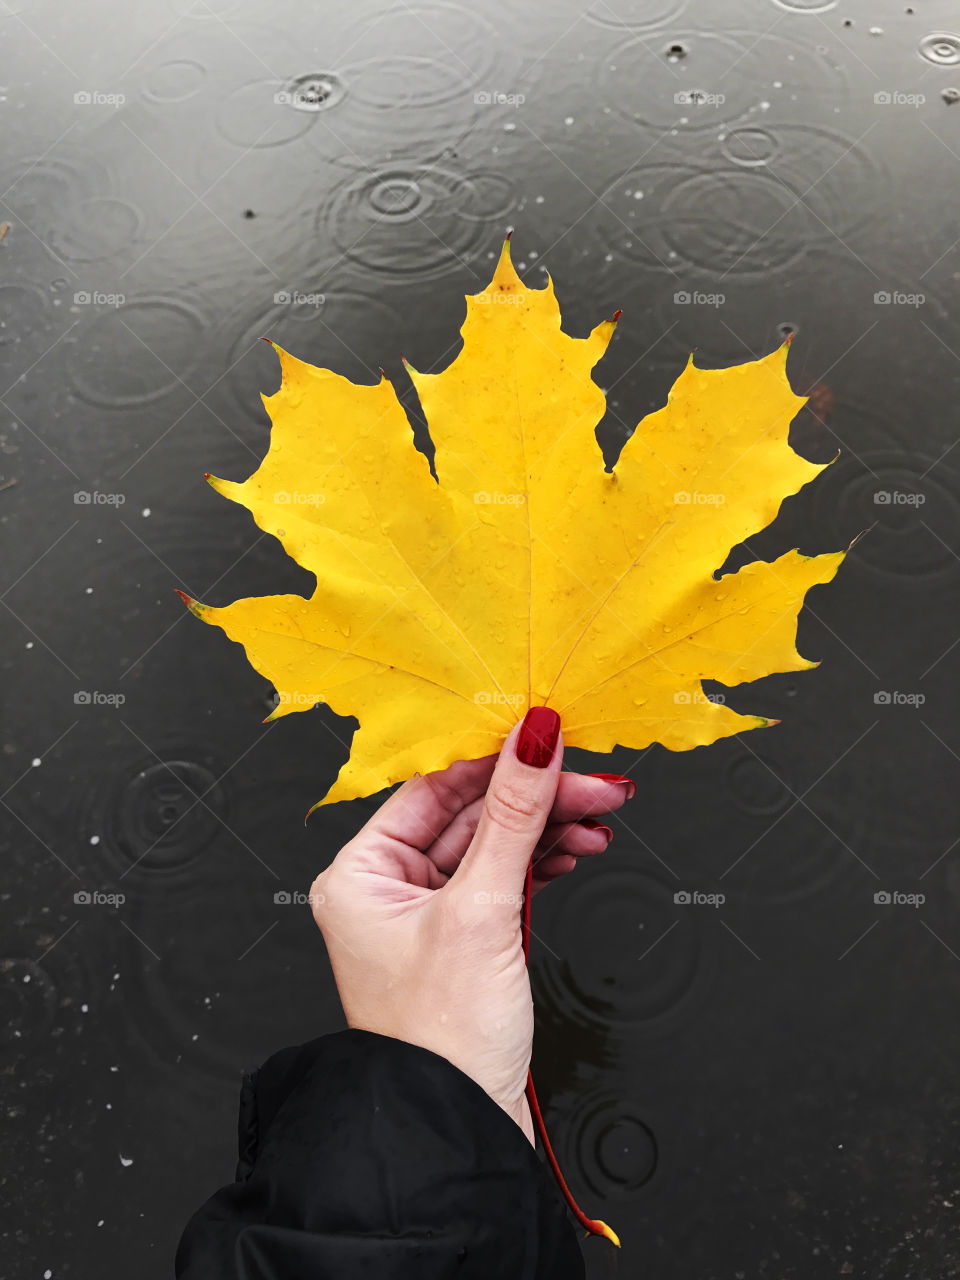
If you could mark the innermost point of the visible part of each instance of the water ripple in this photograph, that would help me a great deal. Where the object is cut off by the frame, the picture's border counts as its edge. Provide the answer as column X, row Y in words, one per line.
column 415, row 221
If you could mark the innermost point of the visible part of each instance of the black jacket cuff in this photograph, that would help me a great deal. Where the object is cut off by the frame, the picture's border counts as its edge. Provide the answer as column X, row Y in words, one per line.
column 361, row 1155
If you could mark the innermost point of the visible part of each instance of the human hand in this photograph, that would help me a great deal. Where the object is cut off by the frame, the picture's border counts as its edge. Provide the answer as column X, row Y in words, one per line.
column 421, row 910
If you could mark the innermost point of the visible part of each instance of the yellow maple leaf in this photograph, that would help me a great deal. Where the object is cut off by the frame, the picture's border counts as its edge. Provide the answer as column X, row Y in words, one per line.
column 526, row 573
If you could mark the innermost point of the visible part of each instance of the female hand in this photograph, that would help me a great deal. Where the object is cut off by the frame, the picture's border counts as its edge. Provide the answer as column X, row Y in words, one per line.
column 420, row 911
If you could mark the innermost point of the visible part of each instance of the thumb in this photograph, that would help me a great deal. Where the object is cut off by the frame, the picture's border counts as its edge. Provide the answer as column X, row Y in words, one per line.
column 516, row 806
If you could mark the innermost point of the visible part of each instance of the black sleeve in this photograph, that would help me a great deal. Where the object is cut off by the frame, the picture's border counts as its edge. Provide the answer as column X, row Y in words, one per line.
column 364, row 1156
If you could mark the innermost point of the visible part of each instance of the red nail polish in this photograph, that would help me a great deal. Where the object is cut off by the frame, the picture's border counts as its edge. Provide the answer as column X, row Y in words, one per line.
column 537, row 739
column 596, row 826
column 617, row 777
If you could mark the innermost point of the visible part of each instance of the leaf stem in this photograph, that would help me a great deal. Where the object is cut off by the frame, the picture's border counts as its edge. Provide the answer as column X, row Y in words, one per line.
column 592, row 1226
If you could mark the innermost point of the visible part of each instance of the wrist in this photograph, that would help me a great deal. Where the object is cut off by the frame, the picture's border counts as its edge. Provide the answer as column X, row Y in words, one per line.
column 520, row 1114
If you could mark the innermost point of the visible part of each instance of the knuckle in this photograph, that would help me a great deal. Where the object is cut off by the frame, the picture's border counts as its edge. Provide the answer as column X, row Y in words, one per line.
column 448, row 796
column 511, row 807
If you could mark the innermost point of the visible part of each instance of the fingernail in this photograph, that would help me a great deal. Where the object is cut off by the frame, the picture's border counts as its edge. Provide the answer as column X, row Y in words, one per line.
column 617, row 777
column 596, row 826
column 537, row 739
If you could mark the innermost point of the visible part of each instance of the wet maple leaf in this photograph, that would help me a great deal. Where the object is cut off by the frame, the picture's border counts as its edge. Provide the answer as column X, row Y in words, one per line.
column 525, row 573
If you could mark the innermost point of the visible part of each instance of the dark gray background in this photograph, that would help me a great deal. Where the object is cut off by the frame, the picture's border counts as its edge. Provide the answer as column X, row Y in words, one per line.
column 764, row 1089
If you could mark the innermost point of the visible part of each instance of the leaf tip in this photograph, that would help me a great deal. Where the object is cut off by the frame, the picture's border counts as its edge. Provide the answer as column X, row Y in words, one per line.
column 286, row 360
column 862, row 534
column 778, row 360
column 616, row 316
column 505, row 268
column 193, row 605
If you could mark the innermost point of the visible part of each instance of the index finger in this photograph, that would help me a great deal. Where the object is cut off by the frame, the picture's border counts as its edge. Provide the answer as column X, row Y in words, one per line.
column 420, row 811
column 425, row 805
